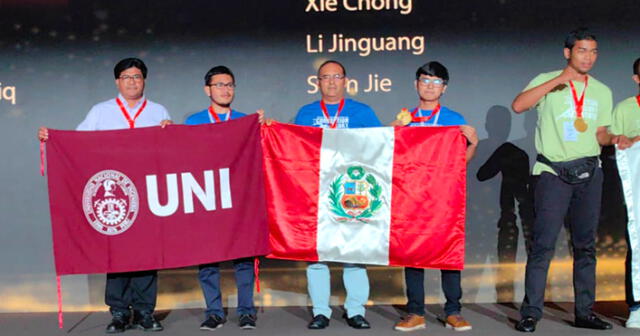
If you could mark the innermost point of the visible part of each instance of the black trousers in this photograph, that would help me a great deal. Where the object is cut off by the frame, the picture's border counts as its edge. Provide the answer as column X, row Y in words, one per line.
column 414, row 279
column 131, row 290
column 554, row 200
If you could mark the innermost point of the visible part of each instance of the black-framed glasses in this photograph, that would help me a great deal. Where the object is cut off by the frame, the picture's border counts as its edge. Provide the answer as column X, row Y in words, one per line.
column 135, row 77
column 220, row 85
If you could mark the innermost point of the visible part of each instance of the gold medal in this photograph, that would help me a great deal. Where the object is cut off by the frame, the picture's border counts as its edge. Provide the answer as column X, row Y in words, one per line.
column 404, row 116
column 580, row 125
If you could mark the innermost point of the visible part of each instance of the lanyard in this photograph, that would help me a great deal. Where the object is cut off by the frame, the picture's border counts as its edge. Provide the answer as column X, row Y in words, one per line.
column 579, row 103
column 214, row 116
column 638, row 100
column 424, row 119
column 334, row 123
column 132, row 122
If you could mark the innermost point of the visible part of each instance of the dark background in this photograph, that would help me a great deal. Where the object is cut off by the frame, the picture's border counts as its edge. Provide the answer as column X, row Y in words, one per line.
column 59, row 57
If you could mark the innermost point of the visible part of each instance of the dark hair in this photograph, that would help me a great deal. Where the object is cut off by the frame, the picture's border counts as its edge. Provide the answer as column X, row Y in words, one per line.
column 127, row 63
column 434, row 69
column 636, row 67
column 344, row 72
column 579, row 34
column 218, row 70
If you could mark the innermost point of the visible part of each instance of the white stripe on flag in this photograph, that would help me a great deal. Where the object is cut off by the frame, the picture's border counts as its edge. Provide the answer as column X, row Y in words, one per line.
column 348, row 230
column 628, row 162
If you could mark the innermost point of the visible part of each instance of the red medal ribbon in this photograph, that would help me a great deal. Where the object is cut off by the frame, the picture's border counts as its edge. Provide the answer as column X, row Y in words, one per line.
column 132, row 122
column 59, row 292
column 334, row 123
column 256, row 272
column 579, row 103
column 424, row 119
column 638, row 100
column 213, row 113
column 42, row 158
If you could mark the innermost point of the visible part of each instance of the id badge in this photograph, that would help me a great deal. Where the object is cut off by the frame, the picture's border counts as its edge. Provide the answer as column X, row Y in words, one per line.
column 570, row 132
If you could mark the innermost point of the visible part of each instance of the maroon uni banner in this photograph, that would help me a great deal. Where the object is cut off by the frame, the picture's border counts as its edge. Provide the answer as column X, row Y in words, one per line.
column 153, row 198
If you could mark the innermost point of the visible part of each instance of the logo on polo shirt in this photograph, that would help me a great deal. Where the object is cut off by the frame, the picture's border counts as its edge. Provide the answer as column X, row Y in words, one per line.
column 110, row 202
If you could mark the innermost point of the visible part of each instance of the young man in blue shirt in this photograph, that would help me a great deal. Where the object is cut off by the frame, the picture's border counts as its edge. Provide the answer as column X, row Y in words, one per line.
column 333, row 110
column 219, row 86
column 431, row 83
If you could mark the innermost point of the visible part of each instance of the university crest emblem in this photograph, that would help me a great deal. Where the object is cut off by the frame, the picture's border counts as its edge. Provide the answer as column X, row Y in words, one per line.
column 355, row 196
column 110, row 202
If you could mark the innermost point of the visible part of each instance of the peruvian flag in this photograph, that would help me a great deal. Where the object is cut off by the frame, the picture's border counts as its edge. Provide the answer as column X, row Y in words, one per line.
column 382, row 196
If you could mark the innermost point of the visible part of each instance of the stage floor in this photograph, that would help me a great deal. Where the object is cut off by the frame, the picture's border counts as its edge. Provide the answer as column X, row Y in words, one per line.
column 487, row 320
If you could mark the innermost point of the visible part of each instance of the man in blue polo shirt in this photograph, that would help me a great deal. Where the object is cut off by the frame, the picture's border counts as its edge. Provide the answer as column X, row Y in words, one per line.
column 219, row 86
column 431, row 82
column 333, row 110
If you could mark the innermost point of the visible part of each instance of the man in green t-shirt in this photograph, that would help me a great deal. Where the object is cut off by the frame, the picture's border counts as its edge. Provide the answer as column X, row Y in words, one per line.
column 626, row 115
column 626, row 120
column 574, row 111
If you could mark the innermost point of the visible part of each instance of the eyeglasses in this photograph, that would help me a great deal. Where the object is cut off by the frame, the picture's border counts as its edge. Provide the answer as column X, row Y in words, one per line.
column 330, row 77
column 128, row 77
column 435, row 82
column 220, row 85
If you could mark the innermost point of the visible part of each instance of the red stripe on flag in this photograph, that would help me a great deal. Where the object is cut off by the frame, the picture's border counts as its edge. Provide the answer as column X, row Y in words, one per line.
column 59, row 292
column 428, row 198
column 291, row 166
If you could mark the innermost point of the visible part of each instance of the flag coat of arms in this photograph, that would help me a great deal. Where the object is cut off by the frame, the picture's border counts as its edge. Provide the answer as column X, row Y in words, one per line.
column 382, row 196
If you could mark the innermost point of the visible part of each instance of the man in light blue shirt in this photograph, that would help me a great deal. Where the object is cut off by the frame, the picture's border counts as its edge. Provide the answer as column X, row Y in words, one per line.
column 127, row 291
column 101, row 116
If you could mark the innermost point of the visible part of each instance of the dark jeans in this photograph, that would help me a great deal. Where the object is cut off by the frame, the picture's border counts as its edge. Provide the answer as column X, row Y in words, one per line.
column 136, row 290
column 414, row 279
column 209, row 276
column 554, row 199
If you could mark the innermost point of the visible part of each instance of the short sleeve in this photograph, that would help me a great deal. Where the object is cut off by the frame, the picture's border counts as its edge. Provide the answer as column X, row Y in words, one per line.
column 300, row 118
column 165, row 114
column 191, row 120
column 90, row 122
column 617, row 124
column 462, row 120
column 604, row 112
column 538, row 80
column 370, row 119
